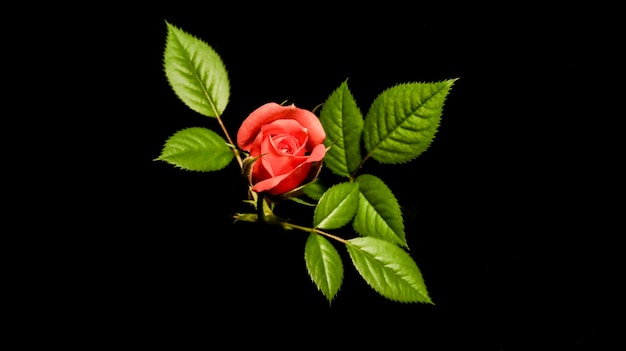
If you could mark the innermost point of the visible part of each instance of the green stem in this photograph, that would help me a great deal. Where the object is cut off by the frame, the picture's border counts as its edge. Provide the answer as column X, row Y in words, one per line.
column 230, row 141
column 272, row 219
column 288, row 225
column 260, row 208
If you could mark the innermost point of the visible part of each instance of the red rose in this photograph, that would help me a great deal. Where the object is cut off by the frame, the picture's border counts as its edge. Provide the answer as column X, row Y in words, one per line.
column 286, row 144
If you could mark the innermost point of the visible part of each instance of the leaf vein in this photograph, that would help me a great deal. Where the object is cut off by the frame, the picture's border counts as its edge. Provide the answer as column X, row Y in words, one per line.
column 190, row 59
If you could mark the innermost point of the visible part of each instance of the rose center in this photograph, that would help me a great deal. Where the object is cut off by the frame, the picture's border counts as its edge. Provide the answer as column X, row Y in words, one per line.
column 285, row 144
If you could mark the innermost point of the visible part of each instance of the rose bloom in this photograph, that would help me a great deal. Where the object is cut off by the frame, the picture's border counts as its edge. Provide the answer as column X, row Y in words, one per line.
column 285, row 146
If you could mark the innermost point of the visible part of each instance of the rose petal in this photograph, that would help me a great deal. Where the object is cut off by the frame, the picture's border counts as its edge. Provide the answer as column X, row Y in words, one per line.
column 276, row 162
column 267, row 113
column 286, row 126
column 252, row 125
column 318, row 154
column 287, row 145
column 283, row 183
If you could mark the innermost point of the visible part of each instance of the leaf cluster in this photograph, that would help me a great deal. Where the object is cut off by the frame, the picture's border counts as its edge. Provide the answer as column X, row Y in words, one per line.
column 400, row 124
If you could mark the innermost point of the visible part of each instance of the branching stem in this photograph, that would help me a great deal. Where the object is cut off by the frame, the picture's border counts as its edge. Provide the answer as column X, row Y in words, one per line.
column 264, row 215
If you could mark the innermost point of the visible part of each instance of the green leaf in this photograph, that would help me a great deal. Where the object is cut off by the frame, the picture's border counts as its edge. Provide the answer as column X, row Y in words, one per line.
column 343, row 123
column 196, row 73
column 388, row 269
column 315, row 190
column 197, row 149
column 337, row 206
column 403, row 120
column 378, row 214
column 324, row 265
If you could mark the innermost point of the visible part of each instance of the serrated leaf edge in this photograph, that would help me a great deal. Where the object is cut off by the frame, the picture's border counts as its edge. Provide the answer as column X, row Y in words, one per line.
column 350, row 245
column 372, row 148
column 333, row 294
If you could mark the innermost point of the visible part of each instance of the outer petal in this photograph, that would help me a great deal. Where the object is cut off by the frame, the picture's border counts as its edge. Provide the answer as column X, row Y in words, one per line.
column 284, row 183
column 311, row 122
column 252, row 125
column 317, row 154
column 272, row 111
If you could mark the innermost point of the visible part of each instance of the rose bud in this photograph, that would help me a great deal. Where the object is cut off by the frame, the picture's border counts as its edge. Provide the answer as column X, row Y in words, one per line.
column 285, row 147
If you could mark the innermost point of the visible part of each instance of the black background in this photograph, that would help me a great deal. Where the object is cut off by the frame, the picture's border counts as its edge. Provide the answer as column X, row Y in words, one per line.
column 502, row 212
